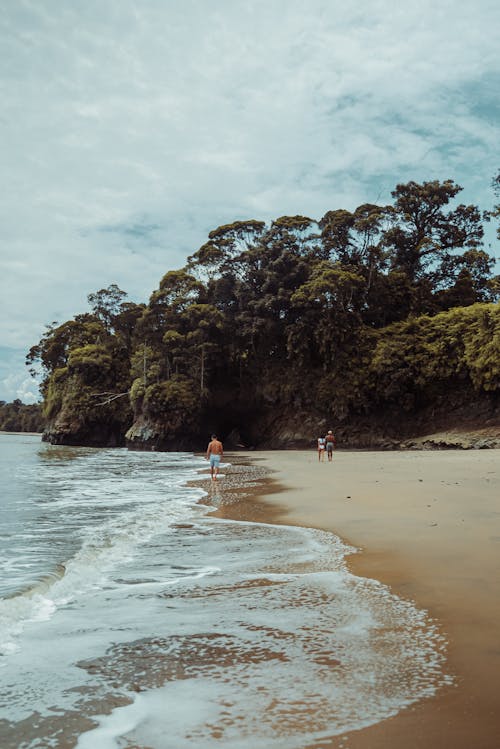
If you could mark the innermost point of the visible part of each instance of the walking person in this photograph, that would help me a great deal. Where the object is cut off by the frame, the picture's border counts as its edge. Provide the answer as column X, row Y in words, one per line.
column 321, row 448
column 215, row 451
column 330, row 444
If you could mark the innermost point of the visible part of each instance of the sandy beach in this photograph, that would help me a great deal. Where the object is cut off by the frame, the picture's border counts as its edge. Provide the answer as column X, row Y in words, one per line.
column 427, row 523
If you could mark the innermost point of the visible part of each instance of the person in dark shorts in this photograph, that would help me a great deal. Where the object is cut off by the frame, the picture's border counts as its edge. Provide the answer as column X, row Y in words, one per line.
column 330, row 444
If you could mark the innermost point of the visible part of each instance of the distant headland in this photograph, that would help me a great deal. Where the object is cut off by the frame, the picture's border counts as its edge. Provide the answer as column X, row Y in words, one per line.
column 382, row 323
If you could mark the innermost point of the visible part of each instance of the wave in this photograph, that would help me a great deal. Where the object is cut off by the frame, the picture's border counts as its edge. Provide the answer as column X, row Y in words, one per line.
column 215, row 632
column 112, row 520
column 292, row 649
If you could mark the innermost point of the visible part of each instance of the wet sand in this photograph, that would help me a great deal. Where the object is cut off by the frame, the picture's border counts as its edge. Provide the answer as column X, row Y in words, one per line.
column 427, row 523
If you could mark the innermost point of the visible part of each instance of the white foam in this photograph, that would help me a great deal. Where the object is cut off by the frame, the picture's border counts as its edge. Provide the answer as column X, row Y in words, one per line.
column 16, row 613
column 274, row 643
column 180, row 703
column 159, row 504
column 339, row 653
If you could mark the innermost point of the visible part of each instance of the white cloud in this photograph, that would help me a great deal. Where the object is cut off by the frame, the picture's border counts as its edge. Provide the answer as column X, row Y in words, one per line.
column 188, row 115
column 27, row 390
column 15, row 382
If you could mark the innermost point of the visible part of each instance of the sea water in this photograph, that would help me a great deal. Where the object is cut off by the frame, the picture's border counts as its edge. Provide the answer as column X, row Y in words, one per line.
column 130, row 616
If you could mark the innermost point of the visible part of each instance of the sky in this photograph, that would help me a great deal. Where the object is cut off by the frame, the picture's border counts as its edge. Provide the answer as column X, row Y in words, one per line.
column 129, row 129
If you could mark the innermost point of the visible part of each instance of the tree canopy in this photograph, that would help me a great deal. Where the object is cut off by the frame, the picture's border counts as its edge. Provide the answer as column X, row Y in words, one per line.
column 21, row 417
column 380, row 305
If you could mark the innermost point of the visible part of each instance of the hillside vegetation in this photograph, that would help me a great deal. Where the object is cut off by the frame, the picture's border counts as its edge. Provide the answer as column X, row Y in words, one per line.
column 20, row 417
column 382, row 323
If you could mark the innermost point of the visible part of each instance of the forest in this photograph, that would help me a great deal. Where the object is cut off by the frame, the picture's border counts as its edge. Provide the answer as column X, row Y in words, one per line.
column 21, row 417
column 375, row 322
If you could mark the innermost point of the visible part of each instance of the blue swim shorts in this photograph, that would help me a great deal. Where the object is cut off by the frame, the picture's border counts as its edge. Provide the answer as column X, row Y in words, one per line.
column 215, row 461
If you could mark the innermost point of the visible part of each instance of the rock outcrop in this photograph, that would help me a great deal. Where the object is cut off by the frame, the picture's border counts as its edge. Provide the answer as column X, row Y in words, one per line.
column 453, row 423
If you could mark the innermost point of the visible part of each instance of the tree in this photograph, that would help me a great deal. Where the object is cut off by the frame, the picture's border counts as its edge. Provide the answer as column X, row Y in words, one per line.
column 55, row 346
column 172, row 402
column 465, row 279
column 293, row 316
column 225, row 244
column 206, row 336
column 94, row 363
column 107, row 303
column 495, row 213
column 354, row 238
column 20, row 417
column 125, row 322
column 423, row 232
column 177, row 290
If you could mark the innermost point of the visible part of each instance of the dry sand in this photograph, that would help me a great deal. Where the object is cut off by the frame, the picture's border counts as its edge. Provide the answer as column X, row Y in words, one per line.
column 427, row 524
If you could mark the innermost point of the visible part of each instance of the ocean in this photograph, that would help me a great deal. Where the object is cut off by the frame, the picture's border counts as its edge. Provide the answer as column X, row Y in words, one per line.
column 131, row 617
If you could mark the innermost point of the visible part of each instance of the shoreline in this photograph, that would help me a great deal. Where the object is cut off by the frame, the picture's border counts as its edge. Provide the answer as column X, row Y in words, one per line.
column 426, row 523
column 30, row 434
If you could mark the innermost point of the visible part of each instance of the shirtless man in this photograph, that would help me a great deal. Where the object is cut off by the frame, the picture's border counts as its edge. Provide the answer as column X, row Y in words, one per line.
column 215, row 451
column 330, row 444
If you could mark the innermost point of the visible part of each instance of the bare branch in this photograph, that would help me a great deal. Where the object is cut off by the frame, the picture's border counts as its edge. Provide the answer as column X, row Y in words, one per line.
column 111, row 397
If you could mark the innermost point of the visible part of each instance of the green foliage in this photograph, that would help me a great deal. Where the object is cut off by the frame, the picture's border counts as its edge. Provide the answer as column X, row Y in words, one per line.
column 381, row 306
column 93, row 362
column 107, row 304
column 426, row 353
column 331, row 287
column 423, row 234
column 75, row 401
column 137, row 392
column 53, row 391
column 146, row 364
column 21, row 417
column 59, row 340
column 482, row 347
column 173, row 401
column 343, row 387
column 177, row 290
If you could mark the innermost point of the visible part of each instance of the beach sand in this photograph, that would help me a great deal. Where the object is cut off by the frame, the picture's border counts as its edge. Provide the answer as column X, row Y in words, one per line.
column 427, row 523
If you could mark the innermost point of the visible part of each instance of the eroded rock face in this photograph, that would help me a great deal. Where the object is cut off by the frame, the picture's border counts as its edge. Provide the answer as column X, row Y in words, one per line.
column 142, row 435
column 480, row 439
column 84, row 435
column 70, row 427
column 457, row 425
column 146, row 434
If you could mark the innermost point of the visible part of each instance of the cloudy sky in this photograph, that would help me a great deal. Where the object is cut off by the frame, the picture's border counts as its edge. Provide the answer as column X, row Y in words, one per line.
column 131, row 128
